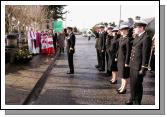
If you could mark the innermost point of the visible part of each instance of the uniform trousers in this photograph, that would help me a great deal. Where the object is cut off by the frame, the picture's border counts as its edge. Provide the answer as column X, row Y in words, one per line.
column 102, row 60
column 98, row 57
column 136, row 86
column 108, row 61
column 70, row 61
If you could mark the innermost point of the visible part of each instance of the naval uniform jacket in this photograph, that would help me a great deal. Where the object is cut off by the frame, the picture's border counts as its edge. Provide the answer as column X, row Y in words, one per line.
column 140, row 52
column 123, row 57
column 102, row 41
column 113, row 48
column 71, row 42
column 108, row 42
column 97, row 39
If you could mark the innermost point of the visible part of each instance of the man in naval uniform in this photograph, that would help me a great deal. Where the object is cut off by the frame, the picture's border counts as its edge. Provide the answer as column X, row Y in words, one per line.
column 101, row 47
column 138, row 61
column 70, row 49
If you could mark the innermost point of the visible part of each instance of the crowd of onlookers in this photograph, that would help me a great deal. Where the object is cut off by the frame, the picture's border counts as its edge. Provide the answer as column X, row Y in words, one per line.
column 45, row 42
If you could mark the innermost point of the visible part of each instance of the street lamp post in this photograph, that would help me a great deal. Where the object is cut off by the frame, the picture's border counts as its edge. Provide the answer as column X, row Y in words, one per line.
column 120, row 15
column 66, row 19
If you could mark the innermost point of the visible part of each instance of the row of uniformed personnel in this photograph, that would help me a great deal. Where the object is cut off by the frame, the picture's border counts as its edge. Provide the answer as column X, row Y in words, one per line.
column 125, row 52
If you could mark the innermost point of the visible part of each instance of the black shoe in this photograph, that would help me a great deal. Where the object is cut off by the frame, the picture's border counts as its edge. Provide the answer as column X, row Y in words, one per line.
column 136, row 103
column 70, row 72
column 115, row 82
column 129, row 103
column 97, row 66
column 122, row 92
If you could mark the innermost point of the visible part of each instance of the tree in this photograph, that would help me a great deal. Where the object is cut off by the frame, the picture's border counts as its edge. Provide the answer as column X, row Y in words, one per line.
column 75, row 29
column 55, row 11
column 106, row 24
column 22, row 16
column 102, row 23
column 112, row 24
column 94, row 28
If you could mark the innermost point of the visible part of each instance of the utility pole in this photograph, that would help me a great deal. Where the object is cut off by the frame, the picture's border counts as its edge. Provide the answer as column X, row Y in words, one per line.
column 66, row 19
column 120, row 15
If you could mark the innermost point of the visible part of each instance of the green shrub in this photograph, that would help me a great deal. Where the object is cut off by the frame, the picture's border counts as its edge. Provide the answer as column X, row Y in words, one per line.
column 23, row 55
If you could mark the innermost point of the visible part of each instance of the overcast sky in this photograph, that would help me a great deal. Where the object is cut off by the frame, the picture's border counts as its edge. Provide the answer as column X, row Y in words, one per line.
column 85, row 16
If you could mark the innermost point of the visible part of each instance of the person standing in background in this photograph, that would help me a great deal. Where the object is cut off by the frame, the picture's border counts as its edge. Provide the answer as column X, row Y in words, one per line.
column 101, row 48
column 70, row 49
column 61, row 39
column 32, row 41
column 65, row 32
column 38, row 41
column 89, row 36
column 96, row 46
column 108, row 44
column 50, row 47
column 55, row 41
column 44, row 45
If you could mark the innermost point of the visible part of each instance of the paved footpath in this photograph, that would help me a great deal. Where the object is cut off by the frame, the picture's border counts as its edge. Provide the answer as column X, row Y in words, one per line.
column 20, row 79
column 87, row 86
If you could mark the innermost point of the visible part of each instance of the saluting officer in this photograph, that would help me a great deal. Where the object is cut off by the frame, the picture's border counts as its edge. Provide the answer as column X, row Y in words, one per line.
column 101, row 48
column 138, row 61
column 96, row 45
column 70, row 49
column 108, row 44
